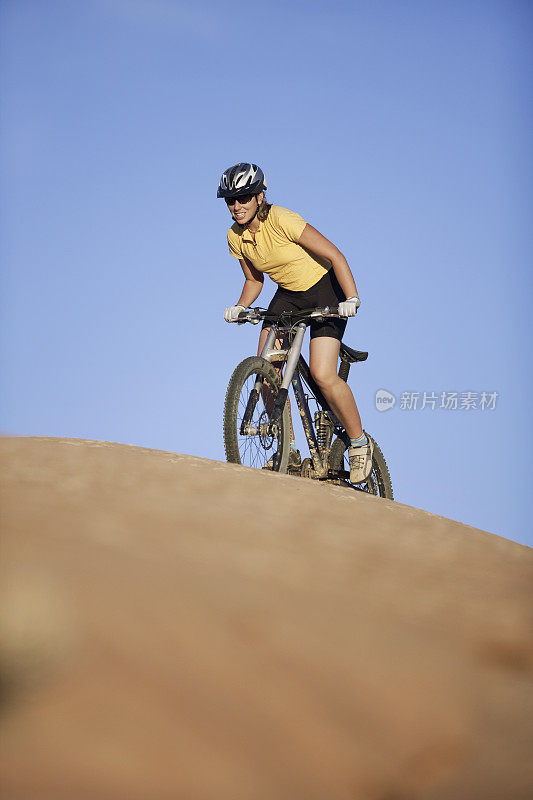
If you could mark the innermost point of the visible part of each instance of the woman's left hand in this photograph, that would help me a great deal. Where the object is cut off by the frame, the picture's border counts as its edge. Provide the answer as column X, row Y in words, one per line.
column 348, row 308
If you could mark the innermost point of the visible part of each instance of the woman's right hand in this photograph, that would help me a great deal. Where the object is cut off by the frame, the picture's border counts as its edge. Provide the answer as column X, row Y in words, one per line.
column 231, row 314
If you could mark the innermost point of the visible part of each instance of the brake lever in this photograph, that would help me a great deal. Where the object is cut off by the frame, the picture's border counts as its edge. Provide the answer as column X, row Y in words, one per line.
column 247, row 316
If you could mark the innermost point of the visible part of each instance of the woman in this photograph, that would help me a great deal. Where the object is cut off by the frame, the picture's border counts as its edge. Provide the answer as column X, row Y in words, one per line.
column 310, row 272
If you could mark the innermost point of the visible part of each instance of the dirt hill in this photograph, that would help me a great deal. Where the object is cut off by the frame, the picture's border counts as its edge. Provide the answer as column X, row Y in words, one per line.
column 174, row 627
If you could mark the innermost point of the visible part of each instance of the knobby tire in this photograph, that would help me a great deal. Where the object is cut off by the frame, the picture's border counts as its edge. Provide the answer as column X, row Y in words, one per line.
column 254, row 451
column 379, row 481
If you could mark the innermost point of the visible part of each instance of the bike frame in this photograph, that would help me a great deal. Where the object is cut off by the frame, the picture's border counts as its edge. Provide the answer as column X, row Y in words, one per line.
column 328, row 455
column 296, row 368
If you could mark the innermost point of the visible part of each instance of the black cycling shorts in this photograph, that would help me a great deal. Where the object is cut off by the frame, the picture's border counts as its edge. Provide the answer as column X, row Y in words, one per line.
column 325, row 292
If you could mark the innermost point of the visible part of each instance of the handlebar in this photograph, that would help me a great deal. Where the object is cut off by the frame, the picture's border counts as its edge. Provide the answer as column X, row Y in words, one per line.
column 255, row 315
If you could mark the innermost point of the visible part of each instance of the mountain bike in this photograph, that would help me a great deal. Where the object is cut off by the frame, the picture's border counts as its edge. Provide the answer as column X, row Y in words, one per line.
column 257, row 415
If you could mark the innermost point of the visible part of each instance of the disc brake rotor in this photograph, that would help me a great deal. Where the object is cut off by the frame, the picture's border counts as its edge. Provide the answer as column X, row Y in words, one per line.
column 265, row 435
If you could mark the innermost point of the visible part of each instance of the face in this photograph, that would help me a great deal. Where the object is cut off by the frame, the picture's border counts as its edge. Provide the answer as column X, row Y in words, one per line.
column 243, row 209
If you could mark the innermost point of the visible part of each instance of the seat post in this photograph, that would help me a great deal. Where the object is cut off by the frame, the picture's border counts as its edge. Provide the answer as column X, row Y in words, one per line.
column 344, row 369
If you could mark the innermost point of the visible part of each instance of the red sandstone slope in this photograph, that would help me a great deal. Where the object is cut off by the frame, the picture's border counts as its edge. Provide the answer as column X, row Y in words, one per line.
column 180, row 628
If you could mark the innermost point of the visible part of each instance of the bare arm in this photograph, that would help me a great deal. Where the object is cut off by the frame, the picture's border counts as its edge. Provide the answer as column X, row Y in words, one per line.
column 253, row 283
column 313, row 241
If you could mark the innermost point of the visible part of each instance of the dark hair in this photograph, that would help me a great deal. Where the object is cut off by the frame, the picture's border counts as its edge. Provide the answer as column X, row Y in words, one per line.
column 264, row 208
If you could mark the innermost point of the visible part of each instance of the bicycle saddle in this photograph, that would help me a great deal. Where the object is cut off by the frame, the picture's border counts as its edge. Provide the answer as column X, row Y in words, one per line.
column 350, row 355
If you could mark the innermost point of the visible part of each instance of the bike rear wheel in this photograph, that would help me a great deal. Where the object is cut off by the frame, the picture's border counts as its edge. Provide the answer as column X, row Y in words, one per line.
column 379, row 480
column 248, row 439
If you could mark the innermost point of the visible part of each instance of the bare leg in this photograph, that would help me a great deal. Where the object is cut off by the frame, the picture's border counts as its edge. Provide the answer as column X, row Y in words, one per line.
column 268, row 399
column 323, row 358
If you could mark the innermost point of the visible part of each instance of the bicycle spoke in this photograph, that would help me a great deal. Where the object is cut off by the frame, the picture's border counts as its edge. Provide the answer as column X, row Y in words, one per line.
column 248, row 438
column 255, row 450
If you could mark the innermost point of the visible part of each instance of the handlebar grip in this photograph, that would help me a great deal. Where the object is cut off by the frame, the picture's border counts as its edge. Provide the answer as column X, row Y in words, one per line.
column 326, row 310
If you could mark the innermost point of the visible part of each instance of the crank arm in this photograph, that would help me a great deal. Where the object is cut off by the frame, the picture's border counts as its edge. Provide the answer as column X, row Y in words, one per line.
column 337, row 474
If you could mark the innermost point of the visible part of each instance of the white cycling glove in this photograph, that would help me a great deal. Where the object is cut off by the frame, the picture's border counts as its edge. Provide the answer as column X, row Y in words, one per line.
column 232, row 313
column 348, row 308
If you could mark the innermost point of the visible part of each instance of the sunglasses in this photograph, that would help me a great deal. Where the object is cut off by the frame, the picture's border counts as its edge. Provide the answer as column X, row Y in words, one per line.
column 243, row 200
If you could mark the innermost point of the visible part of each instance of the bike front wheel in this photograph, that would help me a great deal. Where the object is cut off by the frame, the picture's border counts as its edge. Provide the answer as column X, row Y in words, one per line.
column 248, row 435
column 379, row 480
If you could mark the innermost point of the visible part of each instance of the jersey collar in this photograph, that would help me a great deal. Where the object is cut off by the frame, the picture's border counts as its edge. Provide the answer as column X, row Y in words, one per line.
column 247, row 236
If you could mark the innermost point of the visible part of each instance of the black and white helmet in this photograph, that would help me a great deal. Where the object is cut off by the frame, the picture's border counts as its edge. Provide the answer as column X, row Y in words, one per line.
column 241, row 179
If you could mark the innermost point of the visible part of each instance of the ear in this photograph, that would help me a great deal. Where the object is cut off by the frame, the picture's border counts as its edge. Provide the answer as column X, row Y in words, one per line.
column 260, row 197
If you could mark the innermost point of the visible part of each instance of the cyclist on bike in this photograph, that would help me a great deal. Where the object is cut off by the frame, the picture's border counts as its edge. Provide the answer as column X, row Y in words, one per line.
column 310, row 272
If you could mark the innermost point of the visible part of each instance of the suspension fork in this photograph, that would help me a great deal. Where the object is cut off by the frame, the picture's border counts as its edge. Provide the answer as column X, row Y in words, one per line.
column 292, row 376
column 268, row 349
column 267, row 353
column 292, row 362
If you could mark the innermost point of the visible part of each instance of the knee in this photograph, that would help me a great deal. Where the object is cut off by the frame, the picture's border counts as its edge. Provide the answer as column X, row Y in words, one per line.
column 323, row 376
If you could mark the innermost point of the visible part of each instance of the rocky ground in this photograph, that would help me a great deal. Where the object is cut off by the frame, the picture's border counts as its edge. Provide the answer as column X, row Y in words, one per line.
column 174, row 627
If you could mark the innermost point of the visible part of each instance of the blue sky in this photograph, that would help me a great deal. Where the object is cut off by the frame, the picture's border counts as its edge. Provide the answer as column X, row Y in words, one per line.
column 401, row 130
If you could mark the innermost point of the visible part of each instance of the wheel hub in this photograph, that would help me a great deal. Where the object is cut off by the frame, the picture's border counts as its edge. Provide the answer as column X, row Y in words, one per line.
column 266, row 436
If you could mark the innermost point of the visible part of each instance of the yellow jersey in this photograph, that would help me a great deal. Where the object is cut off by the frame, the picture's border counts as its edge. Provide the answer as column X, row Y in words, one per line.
column 276, row 250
